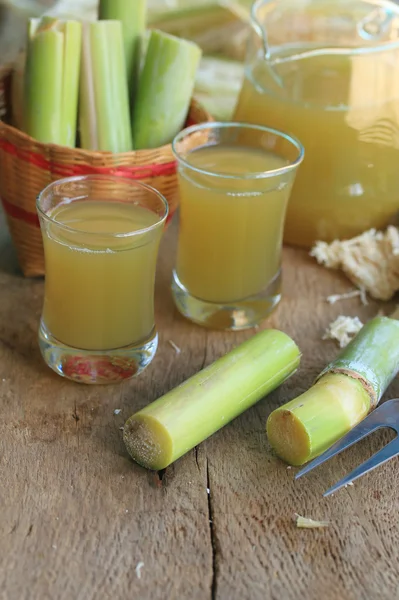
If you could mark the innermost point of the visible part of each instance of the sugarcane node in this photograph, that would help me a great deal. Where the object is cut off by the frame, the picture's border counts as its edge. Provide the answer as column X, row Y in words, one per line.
column 365, row 383
column 343, row 394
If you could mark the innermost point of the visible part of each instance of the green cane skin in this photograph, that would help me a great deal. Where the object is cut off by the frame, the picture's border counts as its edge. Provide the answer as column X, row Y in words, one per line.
column 104, row 107
column 132, row 15
column 43, row 86
column 165, row 90
column 70, row 82
column 52, row 80
column 343, row 395
column 373, row 354
column 165, row 430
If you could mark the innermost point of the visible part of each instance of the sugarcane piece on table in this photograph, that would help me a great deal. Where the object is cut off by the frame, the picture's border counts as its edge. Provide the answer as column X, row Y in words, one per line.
column 165, row 89
column 132, row 15
column 51, row 82
column 104, row 120
column 165, row 430
column 344, row 393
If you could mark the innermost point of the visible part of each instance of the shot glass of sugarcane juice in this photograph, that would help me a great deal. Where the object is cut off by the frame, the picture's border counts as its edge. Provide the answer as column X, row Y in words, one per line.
column 235, row 181
column 327, row 71
column 101, row 236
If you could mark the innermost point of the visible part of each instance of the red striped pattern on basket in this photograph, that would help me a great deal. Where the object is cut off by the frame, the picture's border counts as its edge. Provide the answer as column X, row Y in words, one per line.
column 136, row 172
column 15, row 212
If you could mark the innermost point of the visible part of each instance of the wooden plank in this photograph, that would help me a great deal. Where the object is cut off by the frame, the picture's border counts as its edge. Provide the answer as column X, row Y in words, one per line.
column 258, row 551
column 78, row 517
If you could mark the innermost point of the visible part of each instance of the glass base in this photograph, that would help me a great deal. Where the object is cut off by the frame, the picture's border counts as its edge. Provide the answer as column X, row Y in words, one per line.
column 243, row 314
column 96, row 367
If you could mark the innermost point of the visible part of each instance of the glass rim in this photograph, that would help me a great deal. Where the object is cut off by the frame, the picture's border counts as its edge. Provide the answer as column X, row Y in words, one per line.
column 236, row 125
column 389, row 5
column 120, row 235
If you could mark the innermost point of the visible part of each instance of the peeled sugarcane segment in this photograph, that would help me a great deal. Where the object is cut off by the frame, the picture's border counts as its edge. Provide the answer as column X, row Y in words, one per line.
column 70, row 84
column 52, row 80
column 104, row 97
column 165, row 89
column 132, row 15
column 165, row 430
column 344, row 393
column 43, row 83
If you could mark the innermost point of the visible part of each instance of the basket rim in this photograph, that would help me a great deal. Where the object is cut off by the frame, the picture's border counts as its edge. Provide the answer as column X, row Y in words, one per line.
column 91, row 154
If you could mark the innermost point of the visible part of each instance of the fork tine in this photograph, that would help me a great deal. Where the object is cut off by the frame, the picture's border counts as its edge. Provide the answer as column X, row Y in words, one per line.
column 363, row 429
column 385, row 454
column 380, row 417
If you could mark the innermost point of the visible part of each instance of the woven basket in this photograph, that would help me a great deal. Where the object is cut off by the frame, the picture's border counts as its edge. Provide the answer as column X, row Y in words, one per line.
column 27, row 166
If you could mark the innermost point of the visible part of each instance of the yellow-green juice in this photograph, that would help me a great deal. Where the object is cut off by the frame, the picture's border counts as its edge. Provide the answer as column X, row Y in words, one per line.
column 99, row 274
column 345, row 111
column 231, row 223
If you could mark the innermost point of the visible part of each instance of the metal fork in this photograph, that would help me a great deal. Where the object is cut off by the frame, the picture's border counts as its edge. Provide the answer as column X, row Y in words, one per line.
column 386, row 415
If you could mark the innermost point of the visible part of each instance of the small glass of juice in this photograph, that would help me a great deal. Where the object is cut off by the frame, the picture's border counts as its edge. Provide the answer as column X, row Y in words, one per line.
column 101, row 236
column 235, row 182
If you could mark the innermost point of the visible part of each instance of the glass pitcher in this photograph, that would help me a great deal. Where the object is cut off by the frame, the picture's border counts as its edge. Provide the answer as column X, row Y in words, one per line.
column 327, row 71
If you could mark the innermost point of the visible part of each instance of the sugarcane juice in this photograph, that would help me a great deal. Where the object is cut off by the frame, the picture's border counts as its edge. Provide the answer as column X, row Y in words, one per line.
column 100, row 284
column 345, row 111
column 231, row 226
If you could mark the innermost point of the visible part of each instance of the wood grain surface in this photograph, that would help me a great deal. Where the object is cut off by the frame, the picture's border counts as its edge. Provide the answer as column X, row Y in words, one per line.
column 77, row 517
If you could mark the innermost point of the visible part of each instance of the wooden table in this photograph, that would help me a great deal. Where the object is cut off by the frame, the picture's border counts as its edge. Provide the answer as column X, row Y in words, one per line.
column 78, row 519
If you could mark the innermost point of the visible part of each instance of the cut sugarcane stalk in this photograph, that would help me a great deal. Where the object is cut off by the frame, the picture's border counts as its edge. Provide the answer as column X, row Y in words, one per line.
column 70, row 86
column 46, row 22
column 52, row 80
column 344, row 393
column 162, row 432
column 165, row 90
column 104, row 98
column 132, row 15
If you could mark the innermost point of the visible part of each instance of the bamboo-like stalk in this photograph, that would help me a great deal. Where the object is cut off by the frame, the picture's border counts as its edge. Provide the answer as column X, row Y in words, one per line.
column 344, row 393
column 52, row 80
column 104, row 98
column 132, row 15
column 43, row 84
column 162, row 432
column 70, row 81
column 165, row 90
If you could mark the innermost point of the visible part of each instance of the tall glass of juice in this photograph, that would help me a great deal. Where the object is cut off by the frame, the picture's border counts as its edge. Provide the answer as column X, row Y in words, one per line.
column 101, row 236
column 235, row 181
